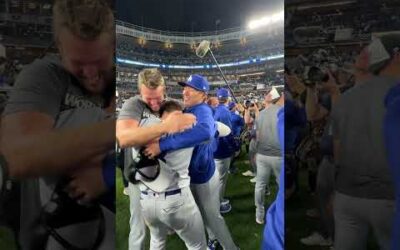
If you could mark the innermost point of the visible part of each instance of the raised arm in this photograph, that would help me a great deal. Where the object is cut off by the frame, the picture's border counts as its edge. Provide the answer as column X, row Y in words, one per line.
column 129, row 134
column 33, row 148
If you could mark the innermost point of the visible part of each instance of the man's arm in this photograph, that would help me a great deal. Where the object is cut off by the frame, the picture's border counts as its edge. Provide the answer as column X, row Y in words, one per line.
column 203, row 131
column 247, row 117
column 256, row 110
column 190, row 138
column 33, row 148
column 314, row 110
column 199, row 134
column 129, row 134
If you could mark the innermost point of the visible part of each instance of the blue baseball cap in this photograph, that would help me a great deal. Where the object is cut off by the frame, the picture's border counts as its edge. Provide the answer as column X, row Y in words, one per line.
column 222, row 92
column 197, row 82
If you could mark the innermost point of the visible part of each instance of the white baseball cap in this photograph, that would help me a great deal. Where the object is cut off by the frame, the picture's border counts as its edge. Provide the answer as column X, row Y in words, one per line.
column 274, row 93
column 223, row 130
column 381, row 50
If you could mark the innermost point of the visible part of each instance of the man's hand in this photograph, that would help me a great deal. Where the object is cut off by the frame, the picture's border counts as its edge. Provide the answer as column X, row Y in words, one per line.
column 240, row 107
column 254, row 107
column 86, row 184
column 331, row 85
column 294, row 83
column 152, row 150
column 178, row 122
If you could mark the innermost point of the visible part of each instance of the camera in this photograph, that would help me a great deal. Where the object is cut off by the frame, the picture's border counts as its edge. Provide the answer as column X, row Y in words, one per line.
column 249, row 104
column 142, row 168
column 317, row 75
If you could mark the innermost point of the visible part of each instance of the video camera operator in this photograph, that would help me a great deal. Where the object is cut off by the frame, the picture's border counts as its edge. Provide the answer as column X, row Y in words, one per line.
column 251, row 113
column 315, row 150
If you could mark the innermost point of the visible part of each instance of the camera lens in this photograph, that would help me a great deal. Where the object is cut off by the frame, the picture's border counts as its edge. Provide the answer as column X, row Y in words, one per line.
column 316, row 75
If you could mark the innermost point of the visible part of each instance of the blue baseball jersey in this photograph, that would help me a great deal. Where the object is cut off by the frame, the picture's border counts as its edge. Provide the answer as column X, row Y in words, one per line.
column 295, row 119
column 392, row 140
column 237, row 124
column 225, row 145
column 201, row 137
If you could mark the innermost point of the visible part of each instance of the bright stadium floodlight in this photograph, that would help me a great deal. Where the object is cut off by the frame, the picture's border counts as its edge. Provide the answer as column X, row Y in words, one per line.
column 267, row 20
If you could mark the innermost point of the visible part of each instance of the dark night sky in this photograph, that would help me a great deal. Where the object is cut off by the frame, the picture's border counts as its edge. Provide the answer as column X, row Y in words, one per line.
column 199, row 15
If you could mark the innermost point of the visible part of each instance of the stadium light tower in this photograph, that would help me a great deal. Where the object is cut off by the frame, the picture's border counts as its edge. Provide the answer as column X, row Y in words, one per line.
column 267, row 20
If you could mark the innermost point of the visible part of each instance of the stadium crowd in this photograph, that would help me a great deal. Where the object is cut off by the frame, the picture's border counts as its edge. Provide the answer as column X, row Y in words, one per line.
column 247, row 121
column 183, row 55
column 335, row 111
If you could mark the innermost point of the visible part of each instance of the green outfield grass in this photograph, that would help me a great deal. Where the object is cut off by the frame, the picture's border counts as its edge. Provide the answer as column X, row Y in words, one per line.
column 246, row 233
column 6, row 239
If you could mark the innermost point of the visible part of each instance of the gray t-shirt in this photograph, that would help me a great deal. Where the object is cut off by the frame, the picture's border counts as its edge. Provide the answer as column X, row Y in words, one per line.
column 357, row 122
column 46, row 87
column 267, row 133
column 134, row 108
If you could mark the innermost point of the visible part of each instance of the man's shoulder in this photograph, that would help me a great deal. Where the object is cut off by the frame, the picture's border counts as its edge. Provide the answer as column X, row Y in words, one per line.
column 222, row 109
column 46, row 64
column 133, row 108
column 276, row 107
column 273, row 109
column 373, row 87
column 134, row 102
column 236, row 116
column 44, row 70
column 202, row 108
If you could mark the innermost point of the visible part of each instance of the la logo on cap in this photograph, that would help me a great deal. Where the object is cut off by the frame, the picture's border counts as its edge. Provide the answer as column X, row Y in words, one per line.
column 190, row 79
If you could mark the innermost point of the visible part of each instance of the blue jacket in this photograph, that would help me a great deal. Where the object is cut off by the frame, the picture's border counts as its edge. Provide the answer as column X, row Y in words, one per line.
column 237, row 124
column 274, row 229
column 237, row 127
column 201, row 137
column 295, row 119
column 392, row 140
column 109, row 168
column 225, row 145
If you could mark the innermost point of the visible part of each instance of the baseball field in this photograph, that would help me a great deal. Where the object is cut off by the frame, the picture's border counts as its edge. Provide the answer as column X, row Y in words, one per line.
column 246, row 233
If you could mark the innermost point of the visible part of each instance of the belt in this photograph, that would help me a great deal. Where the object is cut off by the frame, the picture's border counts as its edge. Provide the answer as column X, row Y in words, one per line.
column 168, row 193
